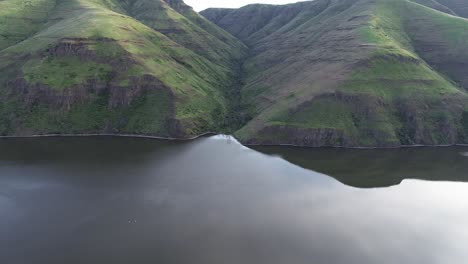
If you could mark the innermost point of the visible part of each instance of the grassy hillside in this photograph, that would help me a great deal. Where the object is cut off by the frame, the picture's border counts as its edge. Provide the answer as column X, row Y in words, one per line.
column 435, row 5
column 114, row 66
column 314, row 73
column 20, row 19
column 352, row 72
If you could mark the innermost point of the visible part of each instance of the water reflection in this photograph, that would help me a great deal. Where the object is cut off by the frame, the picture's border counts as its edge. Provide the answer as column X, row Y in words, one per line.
column 367, row 168
column 119, row 200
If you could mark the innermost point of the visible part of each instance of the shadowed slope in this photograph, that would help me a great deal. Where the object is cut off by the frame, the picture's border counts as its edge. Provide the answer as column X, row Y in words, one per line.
column 460, row 7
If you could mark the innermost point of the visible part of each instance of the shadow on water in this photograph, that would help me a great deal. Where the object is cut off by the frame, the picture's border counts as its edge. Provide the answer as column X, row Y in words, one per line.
column 370, row 168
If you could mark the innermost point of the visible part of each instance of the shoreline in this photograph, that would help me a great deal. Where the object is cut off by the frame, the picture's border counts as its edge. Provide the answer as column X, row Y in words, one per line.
column 363, row 148
column 112, row 135
column 215, row 134
column 207, row 134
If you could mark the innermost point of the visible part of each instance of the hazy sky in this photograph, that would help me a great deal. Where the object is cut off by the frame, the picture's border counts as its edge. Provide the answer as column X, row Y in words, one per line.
column 199, row 5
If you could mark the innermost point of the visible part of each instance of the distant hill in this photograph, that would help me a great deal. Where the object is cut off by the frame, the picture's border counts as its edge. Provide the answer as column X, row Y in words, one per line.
column 315, row 73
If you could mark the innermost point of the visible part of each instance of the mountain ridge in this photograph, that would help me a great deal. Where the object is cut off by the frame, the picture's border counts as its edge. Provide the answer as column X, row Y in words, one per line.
column 372, row 73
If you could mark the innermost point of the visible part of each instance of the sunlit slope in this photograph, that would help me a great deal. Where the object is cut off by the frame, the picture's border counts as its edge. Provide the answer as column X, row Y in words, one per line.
column 97, row 66
column 352, row 73
column 20, row 19
column 186, row 27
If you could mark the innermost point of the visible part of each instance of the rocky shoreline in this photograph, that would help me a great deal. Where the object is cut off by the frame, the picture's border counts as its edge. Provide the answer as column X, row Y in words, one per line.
column 208, row 134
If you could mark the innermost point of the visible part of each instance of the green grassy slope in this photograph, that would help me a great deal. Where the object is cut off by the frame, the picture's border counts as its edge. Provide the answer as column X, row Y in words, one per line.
column 184, row 26
column 106, row 66
column 20, row 19
column 353, row 73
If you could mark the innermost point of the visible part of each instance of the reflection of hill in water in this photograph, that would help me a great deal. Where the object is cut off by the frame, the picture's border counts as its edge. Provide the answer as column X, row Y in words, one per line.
column 379, row 167
column 359, row 168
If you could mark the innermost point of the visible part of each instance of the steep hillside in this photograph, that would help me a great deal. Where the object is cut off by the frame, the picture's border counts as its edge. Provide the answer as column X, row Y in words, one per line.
column 113, row 66
column 352, row 72
column 436, row 5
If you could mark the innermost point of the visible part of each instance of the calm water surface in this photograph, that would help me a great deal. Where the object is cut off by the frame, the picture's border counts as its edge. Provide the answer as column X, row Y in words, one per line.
column 211, row 201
